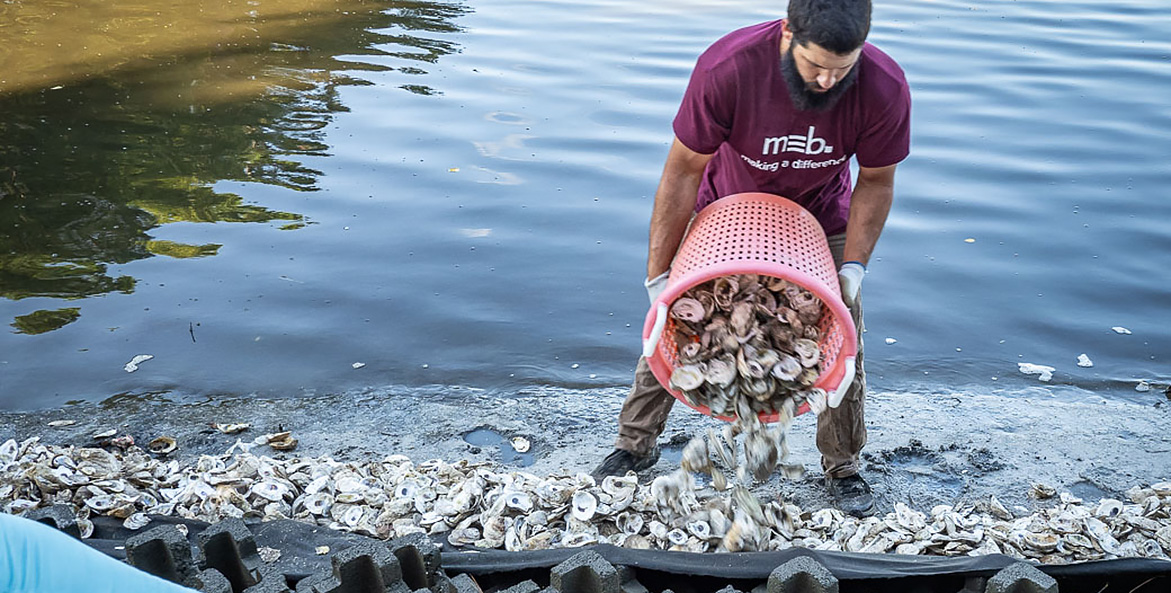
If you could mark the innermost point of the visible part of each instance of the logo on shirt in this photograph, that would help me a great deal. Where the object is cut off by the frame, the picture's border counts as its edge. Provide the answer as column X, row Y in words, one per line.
column 807, row 144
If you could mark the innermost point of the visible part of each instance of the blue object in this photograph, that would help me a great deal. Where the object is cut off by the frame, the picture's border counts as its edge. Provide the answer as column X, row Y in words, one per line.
column 35, row 558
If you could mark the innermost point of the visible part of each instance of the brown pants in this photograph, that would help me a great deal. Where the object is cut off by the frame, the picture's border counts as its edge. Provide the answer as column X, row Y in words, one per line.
column 841, row 431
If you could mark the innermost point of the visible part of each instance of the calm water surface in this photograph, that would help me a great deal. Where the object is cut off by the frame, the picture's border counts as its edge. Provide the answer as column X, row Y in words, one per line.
column 261, row 194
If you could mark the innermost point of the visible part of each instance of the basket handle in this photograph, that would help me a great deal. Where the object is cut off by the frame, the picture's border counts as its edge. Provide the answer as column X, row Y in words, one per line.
column 648, row 344
column 835, row 398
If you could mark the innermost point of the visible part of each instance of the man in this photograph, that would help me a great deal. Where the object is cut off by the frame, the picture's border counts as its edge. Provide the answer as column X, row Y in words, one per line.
column 781, row 107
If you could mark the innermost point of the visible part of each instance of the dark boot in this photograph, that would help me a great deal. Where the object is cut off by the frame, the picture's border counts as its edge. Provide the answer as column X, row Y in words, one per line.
column 852, row 495
column 621, row 461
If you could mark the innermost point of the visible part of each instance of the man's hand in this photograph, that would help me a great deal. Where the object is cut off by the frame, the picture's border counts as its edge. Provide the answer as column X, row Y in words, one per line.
column 850, row 279
column 655, row 286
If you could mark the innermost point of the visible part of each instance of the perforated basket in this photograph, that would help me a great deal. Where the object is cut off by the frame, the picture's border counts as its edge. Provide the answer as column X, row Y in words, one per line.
column 757, row 233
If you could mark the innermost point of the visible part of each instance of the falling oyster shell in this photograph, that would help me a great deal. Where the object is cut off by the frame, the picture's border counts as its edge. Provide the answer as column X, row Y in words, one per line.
column 62, row 423
column 105, row 434
column 520, row 444
column 162, row 445
column 695, row 456
column 760, row 454
column 719, row 480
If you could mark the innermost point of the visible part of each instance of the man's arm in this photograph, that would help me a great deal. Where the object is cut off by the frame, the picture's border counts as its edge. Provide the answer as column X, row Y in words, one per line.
column 674, row 205
column 869, row 206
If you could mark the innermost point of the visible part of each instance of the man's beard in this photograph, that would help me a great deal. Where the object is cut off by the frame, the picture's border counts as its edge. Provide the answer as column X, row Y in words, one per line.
column 806, row 99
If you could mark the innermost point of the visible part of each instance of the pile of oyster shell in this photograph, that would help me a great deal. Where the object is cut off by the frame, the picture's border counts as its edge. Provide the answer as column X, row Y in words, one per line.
column 747, row 344
column 477, row 504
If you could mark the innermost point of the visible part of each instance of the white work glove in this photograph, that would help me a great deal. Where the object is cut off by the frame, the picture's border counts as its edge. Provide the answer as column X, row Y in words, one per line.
column 850, row 279
column 655, row 286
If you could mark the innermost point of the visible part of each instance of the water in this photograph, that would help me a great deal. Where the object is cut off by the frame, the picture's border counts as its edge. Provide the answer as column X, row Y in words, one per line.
column 458, row 194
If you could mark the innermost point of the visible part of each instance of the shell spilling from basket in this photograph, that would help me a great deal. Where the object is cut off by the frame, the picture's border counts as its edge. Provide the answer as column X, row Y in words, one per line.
column 748, row 344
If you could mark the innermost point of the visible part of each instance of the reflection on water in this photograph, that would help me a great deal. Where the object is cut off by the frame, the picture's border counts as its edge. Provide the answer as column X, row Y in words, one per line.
column 116, row 118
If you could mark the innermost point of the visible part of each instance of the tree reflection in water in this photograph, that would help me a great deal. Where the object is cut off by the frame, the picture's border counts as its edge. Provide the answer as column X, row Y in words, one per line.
column 115, row 120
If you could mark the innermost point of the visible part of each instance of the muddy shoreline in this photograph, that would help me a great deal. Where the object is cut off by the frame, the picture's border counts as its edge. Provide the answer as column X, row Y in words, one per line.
column 922, row 450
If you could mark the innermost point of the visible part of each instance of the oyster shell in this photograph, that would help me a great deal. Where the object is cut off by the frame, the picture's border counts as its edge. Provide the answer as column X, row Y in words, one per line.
column 585, row 505
column 687, row 377
column 162, row 445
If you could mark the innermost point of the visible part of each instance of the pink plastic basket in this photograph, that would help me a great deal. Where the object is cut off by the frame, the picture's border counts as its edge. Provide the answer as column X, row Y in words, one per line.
column 757, row 233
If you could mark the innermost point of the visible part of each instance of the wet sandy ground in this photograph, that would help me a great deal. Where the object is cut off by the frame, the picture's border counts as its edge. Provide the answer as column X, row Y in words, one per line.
column 923, row 449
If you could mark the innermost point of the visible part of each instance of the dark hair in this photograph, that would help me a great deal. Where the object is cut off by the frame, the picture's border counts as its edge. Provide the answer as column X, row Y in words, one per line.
column 839, row 26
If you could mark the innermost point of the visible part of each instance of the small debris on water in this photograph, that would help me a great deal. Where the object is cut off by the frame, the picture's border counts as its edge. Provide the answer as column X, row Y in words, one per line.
column 1142, row 387
column 891, row 341
column 574, row 365
column 1084, row 361
column 61, row 423
column 969, row 240
column 321, row 550
column 1118, row 329
column 1028, row 368
column 268, row 555
column 358, row 365
column 520, row 444
column 132, row 366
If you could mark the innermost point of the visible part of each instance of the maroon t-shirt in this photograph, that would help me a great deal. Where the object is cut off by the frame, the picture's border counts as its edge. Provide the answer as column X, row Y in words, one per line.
column 738, row 107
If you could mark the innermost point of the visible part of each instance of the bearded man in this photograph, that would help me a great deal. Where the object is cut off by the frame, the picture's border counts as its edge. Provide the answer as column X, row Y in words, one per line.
column 782, row 107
